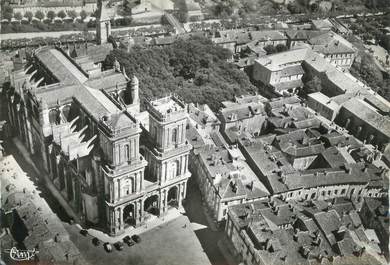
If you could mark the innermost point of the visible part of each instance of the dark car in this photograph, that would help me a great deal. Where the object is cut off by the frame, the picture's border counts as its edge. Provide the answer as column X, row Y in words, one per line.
column 107, row 246
column 136, row 238
column 118, row 245
column 95, row 241
column 84, row 232
column 128, row 241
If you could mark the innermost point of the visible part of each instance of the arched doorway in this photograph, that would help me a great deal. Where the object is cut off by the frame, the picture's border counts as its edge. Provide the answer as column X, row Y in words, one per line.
column 173, row 197
column 151, row 205
column 129, row 215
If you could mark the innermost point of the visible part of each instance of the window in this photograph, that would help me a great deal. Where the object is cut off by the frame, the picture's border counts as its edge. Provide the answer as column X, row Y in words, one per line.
column 343, row 191
column 127, row 151
column 174, row 135
column 224, row 212
column 155, row 132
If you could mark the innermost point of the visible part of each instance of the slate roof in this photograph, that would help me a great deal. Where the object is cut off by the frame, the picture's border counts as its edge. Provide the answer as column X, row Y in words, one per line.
column 381, row 104
column 194, row 137
column 226, row 167
column 202, row 114
column 63, row 69
column 75, row 85
column 360, row 109
column 94, row 53
column 106, row 81
column 45, row 230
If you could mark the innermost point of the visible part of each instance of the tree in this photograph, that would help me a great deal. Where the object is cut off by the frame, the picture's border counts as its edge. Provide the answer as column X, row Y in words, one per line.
column 18, row 16
column 94, row 14
column 281, row 48
column 29, row 15
column 61, row 14
column 51, row 14
column 313, row 85
column 295, row 8
column 196, row 69
column 226, row 8
column 385, row 42
column 366, row 69
column 39, row 15
column 270, row 49
column 182, row 16
column 7, row 12
column 72, row 14
column 83, row 15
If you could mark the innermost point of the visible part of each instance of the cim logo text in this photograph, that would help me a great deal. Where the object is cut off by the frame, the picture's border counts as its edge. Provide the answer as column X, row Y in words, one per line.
column 21, row 255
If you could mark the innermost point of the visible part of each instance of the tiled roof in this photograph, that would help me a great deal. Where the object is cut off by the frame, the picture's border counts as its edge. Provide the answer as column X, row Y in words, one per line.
column 271, row 228
column 267, row 35
column 314, row 177
column 278, row 61
column 288, row 85
column 302, row 34
column 242, row 111
column 322, row 23
column 331, row 43
column 292, row 70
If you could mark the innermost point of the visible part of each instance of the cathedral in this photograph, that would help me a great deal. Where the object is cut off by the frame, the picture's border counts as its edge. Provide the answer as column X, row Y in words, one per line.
column 115, row 165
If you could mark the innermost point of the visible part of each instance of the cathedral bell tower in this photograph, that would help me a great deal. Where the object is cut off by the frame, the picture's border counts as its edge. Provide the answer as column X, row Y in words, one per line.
column 103, row 24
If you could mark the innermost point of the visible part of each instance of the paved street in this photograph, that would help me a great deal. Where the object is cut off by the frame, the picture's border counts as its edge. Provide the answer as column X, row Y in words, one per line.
column 207, row 237
column 173, row 243
column 11, row 149
column 175, row 23
column 56, row 34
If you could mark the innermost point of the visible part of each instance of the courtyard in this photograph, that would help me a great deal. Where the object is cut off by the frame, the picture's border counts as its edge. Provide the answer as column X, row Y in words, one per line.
column 171, row 243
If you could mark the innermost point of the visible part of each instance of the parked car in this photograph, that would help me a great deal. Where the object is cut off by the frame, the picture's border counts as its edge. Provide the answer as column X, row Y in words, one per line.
column 107, row 246
column 118, row 245
column 84, row 232
column 95, row 241
column 130, row 242
column 136, row 238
